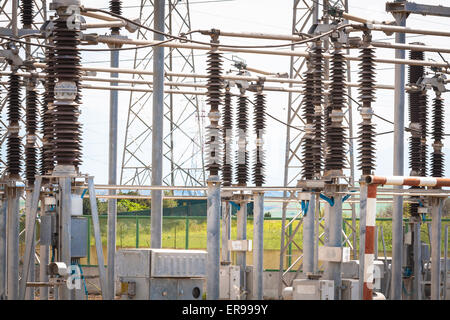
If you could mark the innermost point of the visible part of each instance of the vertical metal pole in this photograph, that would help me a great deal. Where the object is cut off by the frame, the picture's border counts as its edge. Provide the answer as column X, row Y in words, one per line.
column 316, row 237
column 13, row 244
column 97, row 237
column 308, row 237
column 14, row 18
column 157, row 127
column 362, row 233
column 417, row 284
column 333, row 269
column 445, row 263
column 29, row 255
column 369, row 250
column 399, row 125
column 44, row 250
column 112, row 180
column 213, row 240
column 258, row 246
column 3, row 213
column 29, row 294
column 436, row 215
column 65, row 217
column 226, row 230
column 241, row 256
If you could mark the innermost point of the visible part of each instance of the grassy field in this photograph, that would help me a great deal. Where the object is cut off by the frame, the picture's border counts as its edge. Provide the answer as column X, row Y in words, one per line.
column 134, row 232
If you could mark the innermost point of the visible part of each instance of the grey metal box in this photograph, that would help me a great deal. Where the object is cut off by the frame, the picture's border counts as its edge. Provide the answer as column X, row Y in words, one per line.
column 178, row 263
column 161, row 263
column 163, row 289
column 79, row 234
column 229, row 281
column 304, row 289
column 350, row 289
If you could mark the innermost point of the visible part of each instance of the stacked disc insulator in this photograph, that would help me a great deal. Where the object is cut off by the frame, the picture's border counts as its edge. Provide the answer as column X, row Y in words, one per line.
column 415, row 111
column 227, row 134
column 259, row 125
column 214, row 94
column 423, row 133
column 27, row 12
column 14, row 146
column 417, row 118
column 242, row 153
column 115, row 6
column 67, row 129
column 317, row 64
column 437, row 157
column 335, row 134
column 366, row 133
column 308, row 116
column 31, row 128
column 47, row 159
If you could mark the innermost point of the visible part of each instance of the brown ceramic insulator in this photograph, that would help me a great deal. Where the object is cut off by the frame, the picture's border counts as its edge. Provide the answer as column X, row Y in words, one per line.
column 335, row 134
column 115, row 6
column 308, row 116
column 366, row 133
column 27, row 13
column 47, row 158
column 317, row 65
column 242, row 153
column 214, row 99
column 67, row 129
column 227, row 127
column 424, row 134
column 31, row 128
column 417, row 162
column 14, row 145
column 437, row 157
column 259, row 122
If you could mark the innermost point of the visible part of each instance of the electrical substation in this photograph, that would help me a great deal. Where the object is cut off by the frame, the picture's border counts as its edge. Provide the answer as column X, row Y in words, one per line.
column 330, row 170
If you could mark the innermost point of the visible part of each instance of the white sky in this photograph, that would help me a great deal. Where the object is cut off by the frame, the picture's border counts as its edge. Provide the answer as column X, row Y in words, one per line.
column 255, row 16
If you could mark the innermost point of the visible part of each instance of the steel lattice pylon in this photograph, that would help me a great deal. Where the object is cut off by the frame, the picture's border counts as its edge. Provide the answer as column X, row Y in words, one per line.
column 183, row 128
column 40, row 15
column 303, row 11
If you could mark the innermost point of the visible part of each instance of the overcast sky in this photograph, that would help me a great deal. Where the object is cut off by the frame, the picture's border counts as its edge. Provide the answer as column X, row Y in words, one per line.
column 253, row 16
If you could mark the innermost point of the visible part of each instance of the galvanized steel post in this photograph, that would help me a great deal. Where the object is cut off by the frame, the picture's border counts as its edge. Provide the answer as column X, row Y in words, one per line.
column 399, row 125
column 157, row 127
column 65, row 218
column 112, row 180
column 241, row 256
column 226, row 230
column 13, row 243
column 3, row 277
column 436, row 215
column 213, row 239
column 333, row 269
column 308, row 236
column 258, row 245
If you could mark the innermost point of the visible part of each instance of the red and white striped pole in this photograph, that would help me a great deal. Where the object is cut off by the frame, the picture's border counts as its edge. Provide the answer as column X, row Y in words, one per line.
column 409, row 181
column 369, row 252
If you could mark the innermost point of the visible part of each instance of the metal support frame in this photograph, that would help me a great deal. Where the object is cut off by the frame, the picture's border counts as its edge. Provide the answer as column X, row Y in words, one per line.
column 157, row 128
column 112, row 179
column 241, row 256
column 303, row 13
column 12, row 234
column 3, row 265
column 398, row 151
column 183, row 122
column 213, row 240
column 309, row 236
column 258, row 246
column 97, row 237
column 436, row 216
column 226, row 230
column 333, row 269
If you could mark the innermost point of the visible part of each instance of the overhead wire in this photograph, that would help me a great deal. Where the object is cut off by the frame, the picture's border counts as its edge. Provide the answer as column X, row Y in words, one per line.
column 218, row 45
